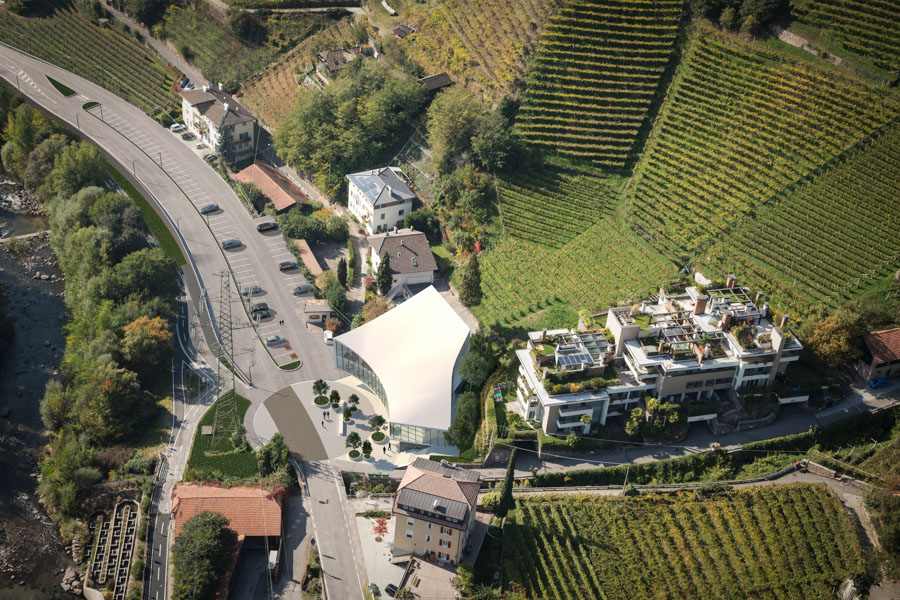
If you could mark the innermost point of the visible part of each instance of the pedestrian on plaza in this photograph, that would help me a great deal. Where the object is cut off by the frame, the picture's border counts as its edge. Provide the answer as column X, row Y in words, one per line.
column 323, row 424
column 383, row 450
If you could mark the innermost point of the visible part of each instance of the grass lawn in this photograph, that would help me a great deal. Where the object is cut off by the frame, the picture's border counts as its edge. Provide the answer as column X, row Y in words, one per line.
column 444, row 260
column 62, row 88
column 214, row 456
column 291, row 365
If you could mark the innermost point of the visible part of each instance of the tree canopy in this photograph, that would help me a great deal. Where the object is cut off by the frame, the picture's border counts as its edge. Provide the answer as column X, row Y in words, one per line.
column 200, row 556
column 470, row 283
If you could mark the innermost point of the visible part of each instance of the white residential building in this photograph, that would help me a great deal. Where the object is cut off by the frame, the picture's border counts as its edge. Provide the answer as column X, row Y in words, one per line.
column 209, row 112
column 379, row 198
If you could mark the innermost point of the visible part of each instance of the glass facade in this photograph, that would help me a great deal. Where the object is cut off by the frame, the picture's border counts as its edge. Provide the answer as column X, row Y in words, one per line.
column 349, row 361
column 418, row 435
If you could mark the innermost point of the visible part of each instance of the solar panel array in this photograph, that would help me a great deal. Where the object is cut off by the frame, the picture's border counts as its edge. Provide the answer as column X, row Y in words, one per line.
column 575, row 359
column 367, row 186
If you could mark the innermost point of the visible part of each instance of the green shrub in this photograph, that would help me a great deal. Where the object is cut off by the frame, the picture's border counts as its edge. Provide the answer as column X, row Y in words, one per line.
column 490, row 501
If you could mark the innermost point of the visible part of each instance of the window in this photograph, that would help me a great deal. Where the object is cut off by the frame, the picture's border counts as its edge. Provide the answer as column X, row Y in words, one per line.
column 409, row 533
column 710, row 382
column 410, row 521
column 427, row 539
column 694, row 384
column 429, row 527
column 382, row 216
column 445, row 544
column 401, row 211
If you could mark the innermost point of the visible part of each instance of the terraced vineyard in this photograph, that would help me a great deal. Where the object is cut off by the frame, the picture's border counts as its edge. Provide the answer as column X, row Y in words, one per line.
column 739, row 125
column 594, row 78
column 119, row 63
column 482, row 43
column 867, row 27
column 829, row 239
column 271, row 92
column 552, row 207
column 785, row 541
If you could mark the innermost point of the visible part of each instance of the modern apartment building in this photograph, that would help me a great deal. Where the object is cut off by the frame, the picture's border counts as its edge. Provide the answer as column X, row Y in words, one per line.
column 680, row 348
column 434, row 510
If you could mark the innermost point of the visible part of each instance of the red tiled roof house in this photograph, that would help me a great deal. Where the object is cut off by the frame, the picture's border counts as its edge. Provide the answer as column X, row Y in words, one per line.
column 882, row 356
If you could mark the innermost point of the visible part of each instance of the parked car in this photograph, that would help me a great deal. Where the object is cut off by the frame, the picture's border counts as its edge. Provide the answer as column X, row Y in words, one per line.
column 275, row 340
column 390, row 589
column 257, row 306
column 268, row 226
column 187, row 135
column 251, row 290
column 878, row 383
column 301, row 289
column 329, row 337
column 176, row 128
column 287, row 265
column 200, row 146
column 231, row 244
column 209, row 208
column 259, row 315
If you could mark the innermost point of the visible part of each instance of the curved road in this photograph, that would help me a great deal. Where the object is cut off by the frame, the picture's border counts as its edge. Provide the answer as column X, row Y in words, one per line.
column 173, row 172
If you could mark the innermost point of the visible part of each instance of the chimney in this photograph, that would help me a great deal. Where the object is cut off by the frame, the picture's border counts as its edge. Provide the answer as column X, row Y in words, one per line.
column 700, row 305
column 543, row 335
column 205, row 88
column 730, row 282
column 726, row 320
column 759, row 296
column 221, row 88
column 783, row 322
column 226, row 107
column 643, row 307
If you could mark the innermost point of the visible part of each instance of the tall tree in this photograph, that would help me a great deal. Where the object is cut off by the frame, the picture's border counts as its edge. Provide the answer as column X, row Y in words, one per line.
column 470, row 283
column 837, row 338
column 273, row 456
column 200, row 556
column 79, row 165
column 147, row 344
column 383, row 277
column 506, row 495
column 54, row 405
column 452, row 119
column 108, row 403
column 342, row 272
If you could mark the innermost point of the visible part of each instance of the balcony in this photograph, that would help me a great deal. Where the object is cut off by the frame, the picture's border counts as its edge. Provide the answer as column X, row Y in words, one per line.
column 567, row 424
column 573, row 411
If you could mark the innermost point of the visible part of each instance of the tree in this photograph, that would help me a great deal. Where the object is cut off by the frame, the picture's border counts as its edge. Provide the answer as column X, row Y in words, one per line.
column 79, row 165
column 465, row 425
column 453, row 117
column 383, row 276
column 337, row 298
column 225, row 145
column 424, row 220
column 200, row 556
column 108, row 403
column 146, row 273
column 506, row 495
column 273, row 456
column 336, row 228
column 320, row 387
column 728, row 18
column 377, row 422
column 296, row 225
column 585, row 420
column 342, row 272
column 335, row 397
column 837, row 338
column 474, row 369
column 353, row 441
column 496, row 145
column 348, row 413
column 55, row 405
column 353, row 400
column 470, row 283
column 332, row 324
column 40, row 160
column 367, row 448
column 146, row 344
column 374, row 308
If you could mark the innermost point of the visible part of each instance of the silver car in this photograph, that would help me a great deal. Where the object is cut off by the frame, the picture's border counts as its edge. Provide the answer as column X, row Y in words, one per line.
column 252, row 290
column 275, row 340
column 231, row 244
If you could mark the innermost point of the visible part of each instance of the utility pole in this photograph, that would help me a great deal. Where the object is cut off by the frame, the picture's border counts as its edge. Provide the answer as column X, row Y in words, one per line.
column 225, row 417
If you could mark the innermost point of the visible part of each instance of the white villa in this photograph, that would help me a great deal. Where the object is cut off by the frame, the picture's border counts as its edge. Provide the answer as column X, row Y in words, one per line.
column 208, row 112
column 410, row 255
column 379, row 198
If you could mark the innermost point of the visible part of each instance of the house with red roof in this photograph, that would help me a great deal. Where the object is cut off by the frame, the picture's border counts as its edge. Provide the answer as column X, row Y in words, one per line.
column 882, row 355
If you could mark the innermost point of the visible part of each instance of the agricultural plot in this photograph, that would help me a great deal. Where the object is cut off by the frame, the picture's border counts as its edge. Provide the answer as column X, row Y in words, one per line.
column 271, row 93
column 829, row 240
column 108, row 57
column 595, row 76
column 785, row 541
column 868, row 27
column 739, row 125
column 482, row 43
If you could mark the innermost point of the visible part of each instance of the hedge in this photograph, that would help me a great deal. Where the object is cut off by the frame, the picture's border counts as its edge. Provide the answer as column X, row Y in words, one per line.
column 672, row 470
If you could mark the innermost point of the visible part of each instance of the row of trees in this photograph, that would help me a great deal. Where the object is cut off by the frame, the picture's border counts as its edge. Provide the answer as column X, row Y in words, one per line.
column 474, row 369
column 750, row 16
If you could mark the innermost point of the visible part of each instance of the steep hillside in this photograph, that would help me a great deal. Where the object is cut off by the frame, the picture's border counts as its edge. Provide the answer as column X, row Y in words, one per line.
column 828, row 240
column 739, row 124
column 867, row 27
column 483, row 44
column 592, row 82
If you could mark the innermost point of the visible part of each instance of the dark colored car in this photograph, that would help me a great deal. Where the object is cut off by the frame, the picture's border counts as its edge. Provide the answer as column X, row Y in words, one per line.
column 287, row 265
column 209, row 208
column 390, row 589
column 257, row 306
column 262, row 314
column 301, row 289
column 251, row 290
column 878, row 383
column 231, row 244
column 269, row 226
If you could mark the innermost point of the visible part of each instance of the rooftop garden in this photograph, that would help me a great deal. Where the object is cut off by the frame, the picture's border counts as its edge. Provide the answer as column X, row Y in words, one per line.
column 573, row 382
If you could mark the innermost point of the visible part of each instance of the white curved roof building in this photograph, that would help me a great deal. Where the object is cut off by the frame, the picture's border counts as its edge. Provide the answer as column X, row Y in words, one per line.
column 410, row 358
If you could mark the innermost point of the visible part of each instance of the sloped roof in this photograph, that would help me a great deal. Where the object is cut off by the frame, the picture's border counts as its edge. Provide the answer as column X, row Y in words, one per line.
column 210, row 103
column 436, row 82
column 307, row 256
column 401, row 30
column 381, row 186
column 413, row 350
column 338, row 59
column 408, row 249
column 432, row 487
column 250, row 511
column 884, row 345
column 273, row 183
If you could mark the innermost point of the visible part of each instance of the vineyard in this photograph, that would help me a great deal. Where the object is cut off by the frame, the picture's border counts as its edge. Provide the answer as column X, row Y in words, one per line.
column 784, row 541
column 595, row 76
column 867, row 27
column 827, row 241
column 484, row 43
column 739, row 124
column 271, row 92
column 107, row 57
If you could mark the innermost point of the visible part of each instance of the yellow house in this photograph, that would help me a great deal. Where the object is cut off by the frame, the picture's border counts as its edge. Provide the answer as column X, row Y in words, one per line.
column 435, row 510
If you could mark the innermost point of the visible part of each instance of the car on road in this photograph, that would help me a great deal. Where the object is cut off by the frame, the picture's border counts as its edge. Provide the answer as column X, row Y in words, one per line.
column 301, row 289
column 209, row 208
column 878, row 383
column 251, row 290
column 329, row 337
column 268, row 226
column 287, row 265
column 275, row 340
column 390, row 589
column 176, row 128
column 257, row 306
column 231, row 244
column 187, row 135
column 259, row 315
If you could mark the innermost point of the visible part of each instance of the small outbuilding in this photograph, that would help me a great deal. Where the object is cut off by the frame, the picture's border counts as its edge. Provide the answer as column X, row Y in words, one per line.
column 882, row 355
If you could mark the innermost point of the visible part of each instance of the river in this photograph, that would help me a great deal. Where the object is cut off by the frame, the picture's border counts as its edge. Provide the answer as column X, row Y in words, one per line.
column 31, row 554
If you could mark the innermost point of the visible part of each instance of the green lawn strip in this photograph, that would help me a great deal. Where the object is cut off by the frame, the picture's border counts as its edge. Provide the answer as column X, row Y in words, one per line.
column 321, row 401
column 291, row 365
column 62, row 88
column 89, row 105
column 154, row 222
column 223, row 460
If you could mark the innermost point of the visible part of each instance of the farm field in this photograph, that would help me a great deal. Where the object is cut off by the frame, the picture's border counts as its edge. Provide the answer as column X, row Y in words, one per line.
column 67, row 38
column 271, row 92
column 868, row 27
column 782, row 541
column 594, row 78
column 739, row 125
column 827, row 241
column 223, row 57
column 483, row 44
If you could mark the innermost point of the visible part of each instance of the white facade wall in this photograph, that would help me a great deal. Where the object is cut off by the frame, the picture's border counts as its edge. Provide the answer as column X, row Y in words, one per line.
column 194, row 122
column 375, row 220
